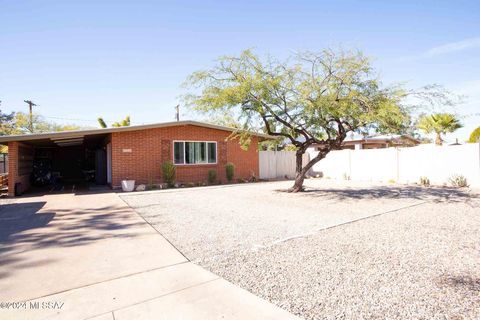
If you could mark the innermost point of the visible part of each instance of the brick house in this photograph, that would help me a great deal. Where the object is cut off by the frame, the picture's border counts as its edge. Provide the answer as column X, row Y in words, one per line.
column 107, row 156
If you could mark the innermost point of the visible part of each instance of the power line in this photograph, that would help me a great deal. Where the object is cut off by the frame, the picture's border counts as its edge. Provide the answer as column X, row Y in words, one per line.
column 87, row 120
column 73, row 119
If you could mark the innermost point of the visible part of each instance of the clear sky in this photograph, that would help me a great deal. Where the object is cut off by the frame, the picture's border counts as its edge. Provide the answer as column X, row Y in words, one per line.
column 84, row 59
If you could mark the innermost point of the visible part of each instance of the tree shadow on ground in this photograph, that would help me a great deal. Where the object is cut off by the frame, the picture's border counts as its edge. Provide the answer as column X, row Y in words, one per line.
column 462, row 282
column 433, row 194
column 18, row 217
column 26, row 226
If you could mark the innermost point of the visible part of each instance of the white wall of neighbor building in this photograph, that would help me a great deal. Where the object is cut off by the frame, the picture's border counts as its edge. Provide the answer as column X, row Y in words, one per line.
column 405, row 165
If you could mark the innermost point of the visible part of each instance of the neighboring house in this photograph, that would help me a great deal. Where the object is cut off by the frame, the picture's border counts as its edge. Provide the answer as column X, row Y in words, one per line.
column 379, row 142
column 107, row 156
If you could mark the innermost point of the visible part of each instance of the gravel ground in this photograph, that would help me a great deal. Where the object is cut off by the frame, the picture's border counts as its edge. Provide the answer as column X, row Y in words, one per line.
column 420, row 260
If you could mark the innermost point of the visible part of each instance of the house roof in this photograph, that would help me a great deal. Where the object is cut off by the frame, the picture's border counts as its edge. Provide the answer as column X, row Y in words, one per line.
column 81, row 133
column 381, row 138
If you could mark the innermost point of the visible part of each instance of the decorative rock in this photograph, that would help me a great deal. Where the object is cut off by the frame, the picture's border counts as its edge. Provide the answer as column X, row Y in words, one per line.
column 141, row 187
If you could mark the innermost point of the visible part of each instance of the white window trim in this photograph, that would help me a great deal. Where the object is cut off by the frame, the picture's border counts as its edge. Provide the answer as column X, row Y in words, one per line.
column 184, row 153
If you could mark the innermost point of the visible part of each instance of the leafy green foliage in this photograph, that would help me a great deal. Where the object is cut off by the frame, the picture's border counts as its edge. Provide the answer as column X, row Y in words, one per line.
column 440, row 123
column 7, row 124
column 168, row 173
column 101, row 122
column 474, row 136
column 317, row 97
column 212, row 176
column 230, row 171
column 19, row 123
column 123, row 123
column 22, row 124
column 290, row 147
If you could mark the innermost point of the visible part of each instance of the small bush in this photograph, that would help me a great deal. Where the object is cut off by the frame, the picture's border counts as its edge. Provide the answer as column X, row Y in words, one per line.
column 424, row 181
column 168, row 173
column 212, row 176
column 458, row 181
column 230, row 170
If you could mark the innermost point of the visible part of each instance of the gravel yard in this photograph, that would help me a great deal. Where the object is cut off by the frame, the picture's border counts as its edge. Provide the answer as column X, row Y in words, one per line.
column 417, row 256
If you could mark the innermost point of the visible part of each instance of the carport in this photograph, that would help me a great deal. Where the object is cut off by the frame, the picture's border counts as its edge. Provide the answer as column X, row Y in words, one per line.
column 58, row 162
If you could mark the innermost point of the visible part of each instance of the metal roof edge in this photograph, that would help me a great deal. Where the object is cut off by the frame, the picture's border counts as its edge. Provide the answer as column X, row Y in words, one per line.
column 77, row 133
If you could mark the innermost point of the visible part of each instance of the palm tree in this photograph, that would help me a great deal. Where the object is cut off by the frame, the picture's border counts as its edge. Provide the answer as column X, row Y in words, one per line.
column 440, row 123
column 123, row 123
column 474, row 136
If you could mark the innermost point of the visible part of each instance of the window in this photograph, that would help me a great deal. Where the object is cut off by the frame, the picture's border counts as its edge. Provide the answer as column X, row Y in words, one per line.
column 194, row 152
column 178, row 152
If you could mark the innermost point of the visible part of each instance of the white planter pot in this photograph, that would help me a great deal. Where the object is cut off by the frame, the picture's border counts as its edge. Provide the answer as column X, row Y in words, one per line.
column 128, row 185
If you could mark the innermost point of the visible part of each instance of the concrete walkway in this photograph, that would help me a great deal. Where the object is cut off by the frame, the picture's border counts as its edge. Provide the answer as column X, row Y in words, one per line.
column 92, row 257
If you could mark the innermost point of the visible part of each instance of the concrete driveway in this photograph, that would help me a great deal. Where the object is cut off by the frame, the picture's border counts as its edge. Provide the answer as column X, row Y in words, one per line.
column 86, row 256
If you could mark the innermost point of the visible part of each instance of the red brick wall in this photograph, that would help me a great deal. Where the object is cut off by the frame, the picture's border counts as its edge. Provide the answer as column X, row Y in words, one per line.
column 151, row 147
column 13, row 174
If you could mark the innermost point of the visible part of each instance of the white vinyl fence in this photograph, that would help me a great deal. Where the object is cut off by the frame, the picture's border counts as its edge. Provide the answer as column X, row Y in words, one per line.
column 406, row 165
column 278, row 164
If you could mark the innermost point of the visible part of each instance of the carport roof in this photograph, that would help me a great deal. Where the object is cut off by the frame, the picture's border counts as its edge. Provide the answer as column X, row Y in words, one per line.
column 82, row 133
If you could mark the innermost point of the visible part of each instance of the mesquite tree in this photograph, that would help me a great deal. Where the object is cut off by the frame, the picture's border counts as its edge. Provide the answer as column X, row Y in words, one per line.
column 311, row 99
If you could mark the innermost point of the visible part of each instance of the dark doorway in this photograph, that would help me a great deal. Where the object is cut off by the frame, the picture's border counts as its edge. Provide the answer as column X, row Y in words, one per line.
column 69, row 165
column 101, row 166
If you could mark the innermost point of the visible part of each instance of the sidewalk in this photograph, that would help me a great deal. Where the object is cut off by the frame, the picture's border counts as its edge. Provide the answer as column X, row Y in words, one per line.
column 92, row 257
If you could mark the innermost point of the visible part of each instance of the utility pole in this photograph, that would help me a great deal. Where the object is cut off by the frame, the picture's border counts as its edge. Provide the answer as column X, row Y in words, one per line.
column 30, row 106
column 177, row 112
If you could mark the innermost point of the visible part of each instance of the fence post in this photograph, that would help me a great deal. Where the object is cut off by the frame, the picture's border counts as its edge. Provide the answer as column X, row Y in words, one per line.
column 349, row 163
column 398, row 164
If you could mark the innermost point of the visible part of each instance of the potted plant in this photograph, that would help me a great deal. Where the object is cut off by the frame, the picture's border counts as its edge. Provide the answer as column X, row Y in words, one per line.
column 128, row 185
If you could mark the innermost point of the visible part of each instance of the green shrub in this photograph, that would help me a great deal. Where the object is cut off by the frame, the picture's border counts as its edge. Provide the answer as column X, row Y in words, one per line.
column 168, row 173
column 424, row 181
column 458, row 181
column 212, row 176
column 230, row 170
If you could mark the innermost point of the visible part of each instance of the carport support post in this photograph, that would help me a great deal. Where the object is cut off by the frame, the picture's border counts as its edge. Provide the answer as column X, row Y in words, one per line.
column 14, row 174
column 12, row 167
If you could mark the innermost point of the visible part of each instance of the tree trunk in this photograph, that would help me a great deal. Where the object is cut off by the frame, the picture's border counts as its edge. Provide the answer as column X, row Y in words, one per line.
column 301, row 171
column 438, row 139
column 299, row 174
